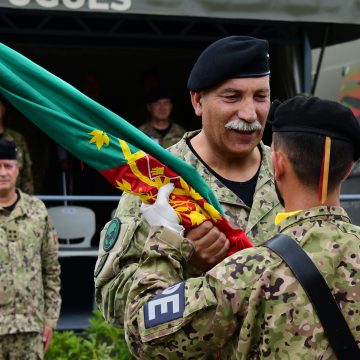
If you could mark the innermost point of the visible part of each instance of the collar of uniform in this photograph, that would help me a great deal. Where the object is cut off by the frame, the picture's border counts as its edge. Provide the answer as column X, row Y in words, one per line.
column 284, row 215
column 148, row 127
column 21, row 206
column 266, row 168
column 190, row 134
column 315, row 212
column 223, row 194
column 182, row 151
column 265, row 198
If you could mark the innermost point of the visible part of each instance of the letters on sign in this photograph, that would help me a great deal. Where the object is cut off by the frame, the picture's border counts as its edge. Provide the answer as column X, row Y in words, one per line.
column 100, row 5
column 165, row 307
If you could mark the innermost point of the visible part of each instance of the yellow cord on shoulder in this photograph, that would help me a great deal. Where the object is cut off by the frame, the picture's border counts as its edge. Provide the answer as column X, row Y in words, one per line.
column 282, row 216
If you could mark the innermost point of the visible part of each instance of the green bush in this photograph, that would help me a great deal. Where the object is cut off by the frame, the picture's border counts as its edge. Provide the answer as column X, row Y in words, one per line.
column 100, row 341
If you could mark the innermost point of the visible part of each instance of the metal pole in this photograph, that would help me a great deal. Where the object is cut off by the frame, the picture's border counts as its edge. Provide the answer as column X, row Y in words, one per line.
column 317, row 73
column 63, row 179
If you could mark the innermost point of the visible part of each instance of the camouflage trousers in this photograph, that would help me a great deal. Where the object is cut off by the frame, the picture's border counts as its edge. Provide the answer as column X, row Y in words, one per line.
column 21, row 346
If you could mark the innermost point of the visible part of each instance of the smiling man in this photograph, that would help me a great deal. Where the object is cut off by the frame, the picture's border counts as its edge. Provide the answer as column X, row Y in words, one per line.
column 230, row 91
column 29, row 268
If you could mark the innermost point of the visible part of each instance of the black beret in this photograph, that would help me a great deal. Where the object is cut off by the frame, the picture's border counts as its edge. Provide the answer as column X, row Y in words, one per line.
column 157, row 93
column 7, row 150
column 317, row 116
column 228, row 58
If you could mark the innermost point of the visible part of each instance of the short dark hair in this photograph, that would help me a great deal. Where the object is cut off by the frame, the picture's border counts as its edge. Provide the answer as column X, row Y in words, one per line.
column 305, row 152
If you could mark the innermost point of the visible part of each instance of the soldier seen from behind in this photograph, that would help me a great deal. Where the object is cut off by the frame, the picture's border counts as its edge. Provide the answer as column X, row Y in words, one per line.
column 251, row 305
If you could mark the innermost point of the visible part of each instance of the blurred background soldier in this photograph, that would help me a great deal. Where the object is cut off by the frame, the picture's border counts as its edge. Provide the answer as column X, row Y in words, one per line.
column 25, row 178
column 159, row 126
column 29, row 268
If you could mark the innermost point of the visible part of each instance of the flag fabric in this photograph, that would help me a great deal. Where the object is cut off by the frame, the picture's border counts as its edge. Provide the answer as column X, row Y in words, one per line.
column 124, row 155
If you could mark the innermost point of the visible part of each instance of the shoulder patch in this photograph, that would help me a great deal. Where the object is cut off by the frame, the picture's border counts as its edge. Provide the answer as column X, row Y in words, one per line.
column 165, row 307
column 112, row 234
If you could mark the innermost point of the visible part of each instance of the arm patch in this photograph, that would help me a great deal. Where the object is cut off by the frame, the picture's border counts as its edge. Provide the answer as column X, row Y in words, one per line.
column 166, row 306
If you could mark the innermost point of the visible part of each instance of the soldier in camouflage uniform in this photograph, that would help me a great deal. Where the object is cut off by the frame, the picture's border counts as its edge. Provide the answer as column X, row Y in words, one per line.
column 159, row 126
column 241, row 175
column 173, row 134
column 251, row 306
column 29, row 268
column 25, row 179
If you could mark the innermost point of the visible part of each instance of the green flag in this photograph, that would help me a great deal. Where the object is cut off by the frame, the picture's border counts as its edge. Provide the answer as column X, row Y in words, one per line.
column 110, row 144
column 67, row 115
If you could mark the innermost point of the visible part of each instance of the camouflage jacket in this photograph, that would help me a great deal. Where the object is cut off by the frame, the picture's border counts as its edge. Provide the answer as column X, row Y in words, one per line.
column 175, row 133
column 250, row 306
column 115, row 267
column 25, row 179
column 29, row 268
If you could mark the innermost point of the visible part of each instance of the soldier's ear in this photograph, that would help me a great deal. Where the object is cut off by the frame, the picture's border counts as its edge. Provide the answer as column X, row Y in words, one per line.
column 196, row 102
column 278, row 159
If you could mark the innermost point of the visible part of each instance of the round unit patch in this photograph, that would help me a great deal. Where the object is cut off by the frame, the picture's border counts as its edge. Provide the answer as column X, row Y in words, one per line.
column 112, row 234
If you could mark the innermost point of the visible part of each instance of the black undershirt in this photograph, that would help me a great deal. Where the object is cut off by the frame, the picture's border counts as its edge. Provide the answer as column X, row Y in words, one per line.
column 10, row 208
column 163, row 132
column 244, row 190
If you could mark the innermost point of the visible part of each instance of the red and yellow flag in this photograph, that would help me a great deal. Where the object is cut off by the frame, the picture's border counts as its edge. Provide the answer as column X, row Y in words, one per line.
column 144, row 175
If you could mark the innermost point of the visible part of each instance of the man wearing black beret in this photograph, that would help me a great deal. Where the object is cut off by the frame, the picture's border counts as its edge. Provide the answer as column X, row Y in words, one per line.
column 294, row 297
column 230, row 91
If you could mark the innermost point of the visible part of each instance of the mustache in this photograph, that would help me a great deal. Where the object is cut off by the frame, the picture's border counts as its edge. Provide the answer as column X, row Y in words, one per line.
column 241, row 125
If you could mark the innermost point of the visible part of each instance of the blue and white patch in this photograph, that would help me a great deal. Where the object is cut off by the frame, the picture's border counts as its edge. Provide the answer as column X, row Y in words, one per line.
column 165, row 307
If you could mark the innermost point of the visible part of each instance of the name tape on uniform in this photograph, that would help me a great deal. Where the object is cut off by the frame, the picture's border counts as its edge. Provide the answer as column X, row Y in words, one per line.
column 165, row 307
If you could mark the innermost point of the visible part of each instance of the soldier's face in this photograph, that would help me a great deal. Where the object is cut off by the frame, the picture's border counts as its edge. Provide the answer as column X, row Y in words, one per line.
column 234, row 114
column 9, row 171
column 160, row 109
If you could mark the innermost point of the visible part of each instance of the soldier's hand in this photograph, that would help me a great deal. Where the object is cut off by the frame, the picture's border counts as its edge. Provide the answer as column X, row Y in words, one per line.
column 211, row 246
column 47, row 335
column 161, row 213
